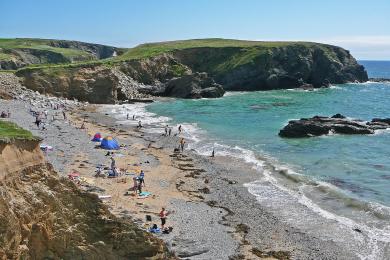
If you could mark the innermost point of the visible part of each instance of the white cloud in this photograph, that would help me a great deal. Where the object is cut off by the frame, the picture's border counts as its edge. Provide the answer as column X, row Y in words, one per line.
column 363, row 47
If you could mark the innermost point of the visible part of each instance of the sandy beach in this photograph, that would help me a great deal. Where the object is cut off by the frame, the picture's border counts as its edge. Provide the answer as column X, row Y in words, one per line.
column 212, row 214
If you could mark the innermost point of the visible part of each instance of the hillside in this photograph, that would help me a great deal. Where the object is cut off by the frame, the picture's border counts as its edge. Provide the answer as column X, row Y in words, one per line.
column 43, row 216
column 196, row 68
column 18, row 53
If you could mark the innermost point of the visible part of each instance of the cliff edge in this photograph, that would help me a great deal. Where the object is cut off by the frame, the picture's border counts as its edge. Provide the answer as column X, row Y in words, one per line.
column 43, row 216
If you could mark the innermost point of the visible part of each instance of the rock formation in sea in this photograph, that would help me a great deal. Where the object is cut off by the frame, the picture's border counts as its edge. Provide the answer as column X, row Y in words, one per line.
column 338, row 124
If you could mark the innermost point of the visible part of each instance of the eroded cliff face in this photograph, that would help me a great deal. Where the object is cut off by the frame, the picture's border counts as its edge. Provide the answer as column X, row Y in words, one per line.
column 201, row 72
column 43, row 216
column 275, row 68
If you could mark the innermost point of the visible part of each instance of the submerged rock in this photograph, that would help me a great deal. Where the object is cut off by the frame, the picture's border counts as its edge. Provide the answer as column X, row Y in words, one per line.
column 339, row 124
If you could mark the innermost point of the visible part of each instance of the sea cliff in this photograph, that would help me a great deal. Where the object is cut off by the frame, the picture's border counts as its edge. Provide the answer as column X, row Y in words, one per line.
column 195, row 69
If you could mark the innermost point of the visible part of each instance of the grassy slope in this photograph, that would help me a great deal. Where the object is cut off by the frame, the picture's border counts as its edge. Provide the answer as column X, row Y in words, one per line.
column 249, row 50
column 40, row 44
column 11, row 131
column 153, row 49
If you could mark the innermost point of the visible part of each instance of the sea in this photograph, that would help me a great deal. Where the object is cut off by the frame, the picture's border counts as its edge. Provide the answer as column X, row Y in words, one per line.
column 340, row 179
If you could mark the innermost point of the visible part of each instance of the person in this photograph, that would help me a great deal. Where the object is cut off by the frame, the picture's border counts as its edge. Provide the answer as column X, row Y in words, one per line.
column 63, row 113
column 163, row 216
column 182, row 142
column 133, row 117
column 169, row 131
column 37, row 121
column 113, row 164
column 154, row 229
column 166, row 130
column 127, row 117
column 139, row 186
column 141, row 178
column 213, row 153
column 179, row 129
column 139, row 124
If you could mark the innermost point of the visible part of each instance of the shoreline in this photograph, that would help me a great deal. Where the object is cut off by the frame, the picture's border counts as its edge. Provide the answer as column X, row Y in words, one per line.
column 213, row 211
column 218, row 174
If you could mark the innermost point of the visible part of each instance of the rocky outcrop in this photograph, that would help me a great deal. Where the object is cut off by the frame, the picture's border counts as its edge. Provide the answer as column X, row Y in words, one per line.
column 338, row 124
column 275, row 68
column 43, row 216
column 195, row 85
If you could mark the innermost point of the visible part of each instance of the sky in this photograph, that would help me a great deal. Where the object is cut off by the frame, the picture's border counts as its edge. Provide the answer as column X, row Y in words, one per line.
column 361, row 26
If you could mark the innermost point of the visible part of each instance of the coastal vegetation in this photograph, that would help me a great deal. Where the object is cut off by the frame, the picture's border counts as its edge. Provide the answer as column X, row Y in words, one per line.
column 10, row 131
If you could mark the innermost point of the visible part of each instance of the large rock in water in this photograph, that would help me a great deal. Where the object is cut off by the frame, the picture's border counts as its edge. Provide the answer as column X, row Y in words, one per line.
column 339, row 124
column 196, row 85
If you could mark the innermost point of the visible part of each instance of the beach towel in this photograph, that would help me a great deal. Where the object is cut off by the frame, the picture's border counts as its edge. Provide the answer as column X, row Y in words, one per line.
column 104, row 196
column 144, row 195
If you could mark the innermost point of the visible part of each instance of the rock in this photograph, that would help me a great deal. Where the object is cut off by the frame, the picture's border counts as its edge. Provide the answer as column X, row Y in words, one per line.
column 338, row 116
column 316, row 126
column 195, row 85
column 307, row 87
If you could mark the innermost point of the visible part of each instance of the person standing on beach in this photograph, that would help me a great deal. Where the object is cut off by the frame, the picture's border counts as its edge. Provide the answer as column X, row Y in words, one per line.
column 179, row 128
column 133, row 117
column 127, row 117
column 38, row 120
column 141, row 178
column 163, row 216
column 169, row 131
column 212, row 153
column 166, row 130
column 182, row 142
column 139, row 124
column 113, row 164
column 64, row 114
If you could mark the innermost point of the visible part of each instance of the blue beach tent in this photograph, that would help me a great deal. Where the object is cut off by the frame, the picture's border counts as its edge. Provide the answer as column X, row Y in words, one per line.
column 109, row 143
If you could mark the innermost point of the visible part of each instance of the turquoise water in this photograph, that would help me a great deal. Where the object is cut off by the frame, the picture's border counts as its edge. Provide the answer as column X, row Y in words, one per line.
column 359, row 164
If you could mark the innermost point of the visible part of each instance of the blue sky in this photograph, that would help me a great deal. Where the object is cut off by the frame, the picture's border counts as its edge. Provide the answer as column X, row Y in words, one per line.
column 361, row 26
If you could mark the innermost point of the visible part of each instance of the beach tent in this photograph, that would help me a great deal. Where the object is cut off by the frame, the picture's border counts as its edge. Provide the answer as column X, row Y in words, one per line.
column 97, row 137
column 109, row 143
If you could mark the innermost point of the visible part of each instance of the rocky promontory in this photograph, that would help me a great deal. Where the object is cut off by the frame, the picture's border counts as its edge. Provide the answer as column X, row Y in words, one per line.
column 337, row 124
column 194, row 69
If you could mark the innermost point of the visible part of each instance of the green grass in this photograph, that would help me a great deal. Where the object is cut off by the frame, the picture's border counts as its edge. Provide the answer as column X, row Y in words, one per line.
column 10, row 131
column 5, row 56
column 43, row 45
column 246, row 52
